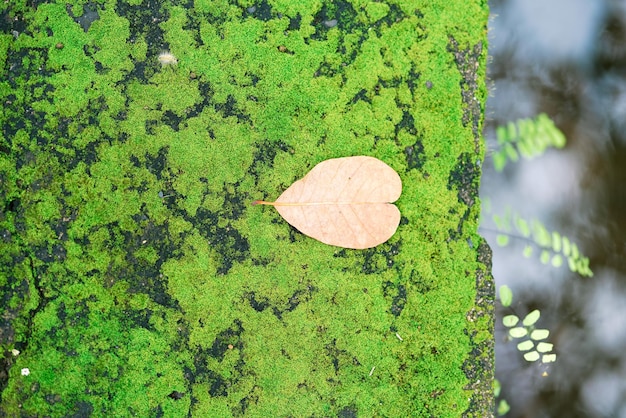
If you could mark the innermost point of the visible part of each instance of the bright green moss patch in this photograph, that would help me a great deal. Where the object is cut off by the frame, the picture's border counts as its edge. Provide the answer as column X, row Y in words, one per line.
column 138, row 279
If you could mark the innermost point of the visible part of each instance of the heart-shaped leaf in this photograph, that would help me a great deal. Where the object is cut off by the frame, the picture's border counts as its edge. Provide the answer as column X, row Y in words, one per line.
column 345, row 202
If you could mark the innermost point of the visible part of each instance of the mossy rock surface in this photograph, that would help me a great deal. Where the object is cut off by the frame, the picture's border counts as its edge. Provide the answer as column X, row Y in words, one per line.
column 137, row 280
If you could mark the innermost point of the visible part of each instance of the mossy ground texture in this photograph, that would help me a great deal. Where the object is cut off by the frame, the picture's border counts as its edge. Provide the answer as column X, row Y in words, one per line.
column 135, row 277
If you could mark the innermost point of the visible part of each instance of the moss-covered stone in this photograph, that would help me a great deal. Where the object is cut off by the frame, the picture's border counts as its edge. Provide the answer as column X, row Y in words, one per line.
column 135, row 277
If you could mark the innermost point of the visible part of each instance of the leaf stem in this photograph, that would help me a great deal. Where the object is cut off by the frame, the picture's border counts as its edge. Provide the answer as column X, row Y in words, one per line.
column 262, row 202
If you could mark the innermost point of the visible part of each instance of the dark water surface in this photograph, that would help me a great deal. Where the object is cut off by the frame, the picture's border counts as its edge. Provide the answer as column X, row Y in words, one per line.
column 566, row 58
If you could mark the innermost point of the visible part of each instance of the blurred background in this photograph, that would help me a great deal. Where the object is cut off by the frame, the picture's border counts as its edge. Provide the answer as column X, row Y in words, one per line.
column 566, row 58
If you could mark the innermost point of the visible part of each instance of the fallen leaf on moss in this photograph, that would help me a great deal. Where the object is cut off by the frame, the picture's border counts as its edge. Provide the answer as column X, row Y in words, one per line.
column 346, row 202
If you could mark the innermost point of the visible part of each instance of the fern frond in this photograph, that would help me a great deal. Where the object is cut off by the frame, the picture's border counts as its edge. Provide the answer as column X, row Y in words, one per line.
column 530, row 337
column 528, row 138
column 554, row 248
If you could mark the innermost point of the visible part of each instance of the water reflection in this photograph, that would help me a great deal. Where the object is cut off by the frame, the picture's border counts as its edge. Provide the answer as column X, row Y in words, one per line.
column 566, row 58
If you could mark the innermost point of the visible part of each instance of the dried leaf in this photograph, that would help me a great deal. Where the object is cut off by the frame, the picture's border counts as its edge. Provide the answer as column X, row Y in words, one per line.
column 345, row 202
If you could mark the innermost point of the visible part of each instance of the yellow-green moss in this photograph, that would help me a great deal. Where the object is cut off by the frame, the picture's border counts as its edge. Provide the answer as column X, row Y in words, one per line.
column 142, row 282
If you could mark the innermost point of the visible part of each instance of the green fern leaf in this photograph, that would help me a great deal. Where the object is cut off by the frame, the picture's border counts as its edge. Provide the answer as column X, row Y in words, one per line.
column 502, row 240
column 510, row 321
column 555, row 248
column 567, row 248
column 506, row 298
column 525, row 345
column 526, row 137
column 544, row 347
column 528, row 251
column 556, row 242
column 531, row 318
column 539, row 334
column 522, row 226
column 518, row 332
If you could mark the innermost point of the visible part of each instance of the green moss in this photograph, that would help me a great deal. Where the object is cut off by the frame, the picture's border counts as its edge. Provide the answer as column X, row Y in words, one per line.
column 140, row 280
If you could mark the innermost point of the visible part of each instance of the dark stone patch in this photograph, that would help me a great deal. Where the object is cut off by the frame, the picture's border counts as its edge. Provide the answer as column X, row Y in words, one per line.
column 256, row 304
column 121, row 116
column 298, row 296
column 260, row 304
column 139, row 318
column 53, row 399
column 82, row 409
column 180, row 343
column 50, row 253
column 193, row 25
column 176, row 395
column 379, row 259
column 393, row 16
column 294, row 234
column 13, row 205
column 479, row 365
column 326, row 70
column 90, row 15
column 144, row 22
column 361, row 95
column 26, row 65
column 420, row 283
column 465, row 179
column 230, row 108
column 348, row 412
column 157, row 412
column 412, row 79
column 171, row 119
column 226, row 240
column 15, row 23
column 156, row 165
column 294, row 22
column 397, row 293
column 244, row 403
column 347, row 55
column 13, row 290
column 142, row 19
column 342, row 253
column 150, row 125
column 142, row 276
column 5, row 234
column 264, row 155
column 263, row 11
column 394, row 82
column 467, row 62
column 407, row 124
column 88, row 154
column 218, row 384
column 415, row 157
column 76, row 315
column 336, row 355
column 229, row 336
column 206, row 93
column 262, row 262
column 340, row 12
column 25, row 70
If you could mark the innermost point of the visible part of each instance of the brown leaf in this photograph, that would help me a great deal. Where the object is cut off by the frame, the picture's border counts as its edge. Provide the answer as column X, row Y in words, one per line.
column 345, row 202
